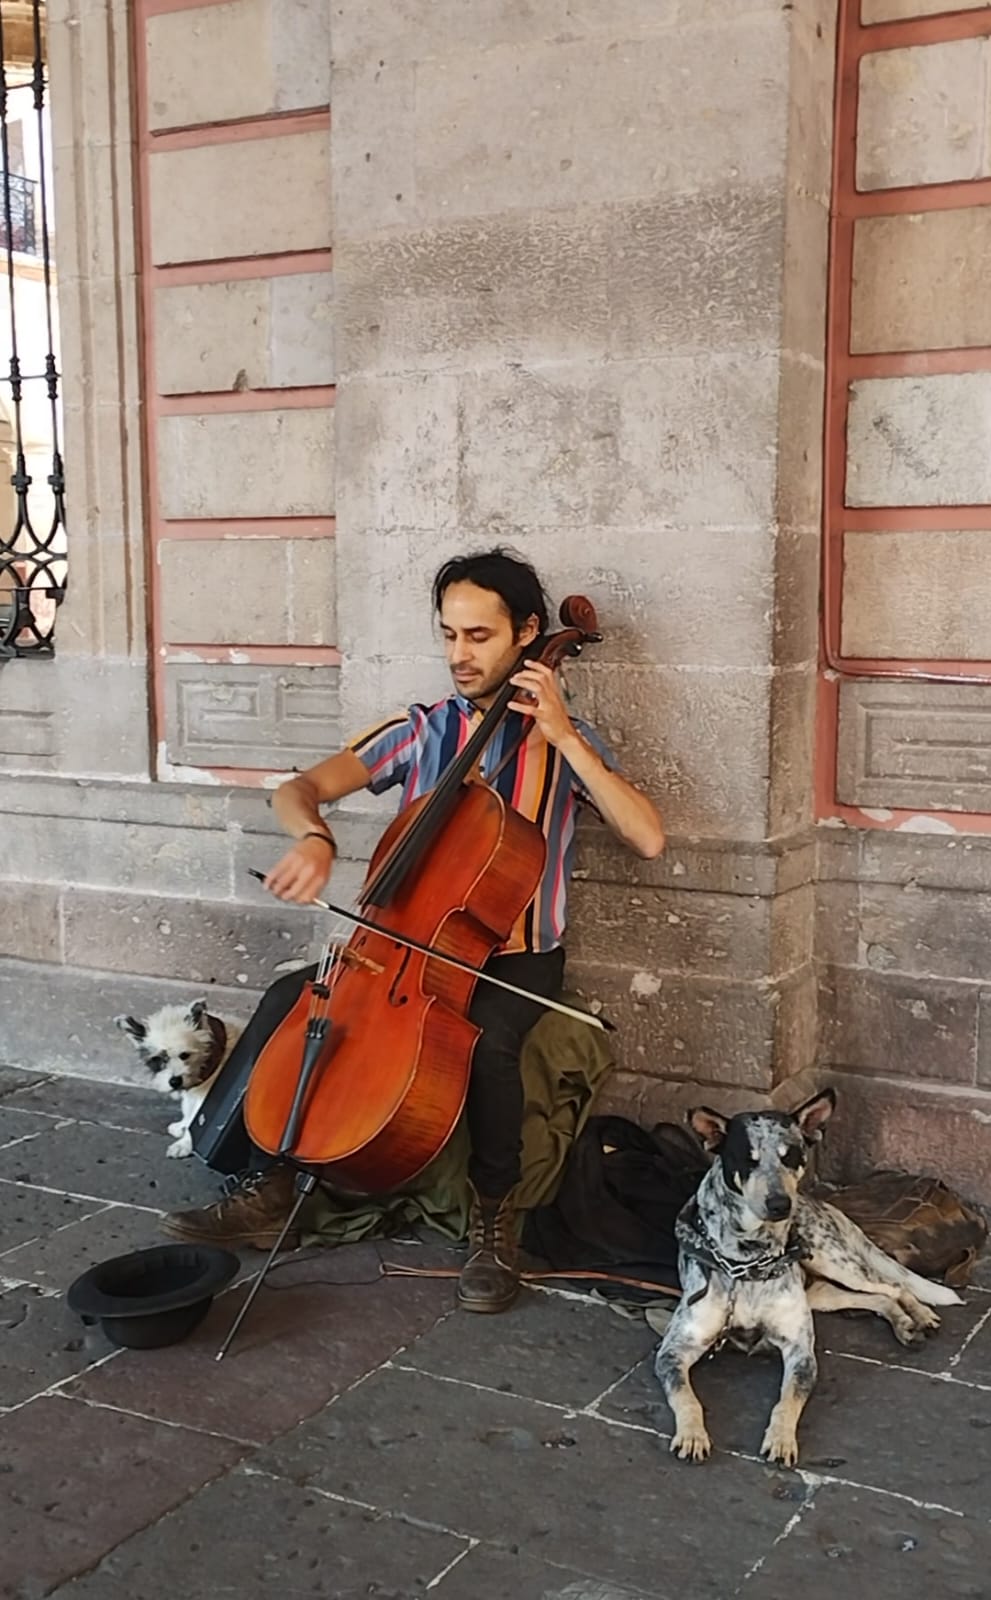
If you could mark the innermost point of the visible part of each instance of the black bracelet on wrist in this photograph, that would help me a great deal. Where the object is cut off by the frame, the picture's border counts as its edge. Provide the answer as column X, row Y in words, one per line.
column 328, row 838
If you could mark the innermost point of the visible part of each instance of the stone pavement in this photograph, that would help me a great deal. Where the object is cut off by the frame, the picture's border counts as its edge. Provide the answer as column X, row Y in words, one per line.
column 362, row 1440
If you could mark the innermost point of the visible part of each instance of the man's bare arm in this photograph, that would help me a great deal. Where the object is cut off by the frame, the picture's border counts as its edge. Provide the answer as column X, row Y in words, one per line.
column 303, row 871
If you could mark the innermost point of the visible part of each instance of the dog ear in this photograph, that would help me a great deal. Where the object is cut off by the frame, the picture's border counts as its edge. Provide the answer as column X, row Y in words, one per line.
column 813, row 1114
column 709, row 1125
column 131, row 1026
column 197, row 1012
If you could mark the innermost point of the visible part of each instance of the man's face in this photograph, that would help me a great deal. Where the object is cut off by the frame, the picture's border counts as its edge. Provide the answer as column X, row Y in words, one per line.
column 479, row 640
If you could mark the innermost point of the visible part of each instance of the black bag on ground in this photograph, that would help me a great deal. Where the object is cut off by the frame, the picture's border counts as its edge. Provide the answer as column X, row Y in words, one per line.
column 616, row 1205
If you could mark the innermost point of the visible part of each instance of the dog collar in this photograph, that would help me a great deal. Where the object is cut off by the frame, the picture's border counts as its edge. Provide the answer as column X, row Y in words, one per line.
column 696, row 1243
column 219, row 1035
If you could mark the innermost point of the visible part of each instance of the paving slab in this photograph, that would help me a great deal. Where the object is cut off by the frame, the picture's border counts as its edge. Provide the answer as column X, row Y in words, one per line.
column 34, row 1214
column 114, row 1104
column 75, row 1480
column 309, row 1336
column 87, row 1159
column 972, row 1364
column 13, row 1079
column 871, row 1338
column 55, row 1258
column 487, row 1574
column 255, row 1538
column 16, row 1124
column 551, row 1348
column 40, row 1344
column 525, row 1476
column 853, row 1542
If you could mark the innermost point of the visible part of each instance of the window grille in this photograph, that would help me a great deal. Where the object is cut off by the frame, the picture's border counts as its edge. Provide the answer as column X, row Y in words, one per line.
column 33, row 569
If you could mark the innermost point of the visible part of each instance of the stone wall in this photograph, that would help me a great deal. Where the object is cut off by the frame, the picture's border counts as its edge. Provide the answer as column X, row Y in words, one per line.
column 902, row 906
column 577, row 305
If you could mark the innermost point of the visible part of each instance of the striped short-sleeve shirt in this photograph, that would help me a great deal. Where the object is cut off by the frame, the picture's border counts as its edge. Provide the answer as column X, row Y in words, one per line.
column 414, row 748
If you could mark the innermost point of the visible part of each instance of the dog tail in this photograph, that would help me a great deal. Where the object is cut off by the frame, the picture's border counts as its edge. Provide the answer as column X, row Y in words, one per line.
column 884, row 1267
column 924, row 1289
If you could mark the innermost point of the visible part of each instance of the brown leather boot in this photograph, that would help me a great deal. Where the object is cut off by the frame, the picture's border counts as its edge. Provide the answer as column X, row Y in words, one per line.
column 252, row 1214
column 489, row 1279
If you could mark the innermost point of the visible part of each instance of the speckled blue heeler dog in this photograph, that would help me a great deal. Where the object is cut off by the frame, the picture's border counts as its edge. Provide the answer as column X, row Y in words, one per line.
column 756, row 1258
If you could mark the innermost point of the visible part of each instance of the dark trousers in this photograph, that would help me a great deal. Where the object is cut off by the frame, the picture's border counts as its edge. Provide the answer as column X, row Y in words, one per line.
column 495, row 1088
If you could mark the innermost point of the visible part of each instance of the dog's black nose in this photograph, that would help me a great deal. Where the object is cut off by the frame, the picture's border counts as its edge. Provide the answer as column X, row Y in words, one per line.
column 175, row 1083
column 778, row 1207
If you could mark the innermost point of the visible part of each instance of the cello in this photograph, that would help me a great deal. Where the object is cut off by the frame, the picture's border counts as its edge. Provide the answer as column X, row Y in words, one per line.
column 365, row 1079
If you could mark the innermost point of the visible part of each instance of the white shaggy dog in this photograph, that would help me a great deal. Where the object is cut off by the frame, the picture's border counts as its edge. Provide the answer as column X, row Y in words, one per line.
column 184, row 1048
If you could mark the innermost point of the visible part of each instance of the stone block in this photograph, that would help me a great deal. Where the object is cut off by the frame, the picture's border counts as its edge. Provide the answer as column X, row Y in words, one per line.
column 648, row 594
column 811, row 95
column 275, row 718
column 421, row 28
column 637, row 445
column 657, row 932
column 896, row 1026
column 399, row 438
column 919, row 1127
column 939, row 933
column 125, row 853
column 926, row 747
column 837, row 931
column 922, row 115
column 797, row 561
column 806, row 254
column 929, row 860
column 916, row 594
column 902, row 10
column 801, row 387
column 702, row 1029
column 79, row 716
column 251, row 333
column 205, row 201
column 105, row 800
column 712, row 96
column 247, row 464
column 697, row 740
column 680, row 273
column 282, row 50
column 796, row 1035
column 792, row 750
column 919, row 441
column 30, row 927
column 274, row 591
column 77, row 1035
column 918, row 281
column 203, row 943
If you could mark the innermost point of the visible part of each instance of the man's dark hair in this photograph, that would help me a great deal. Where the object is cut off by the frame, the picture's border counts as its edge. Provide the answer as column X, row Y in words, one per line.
column 505, row 574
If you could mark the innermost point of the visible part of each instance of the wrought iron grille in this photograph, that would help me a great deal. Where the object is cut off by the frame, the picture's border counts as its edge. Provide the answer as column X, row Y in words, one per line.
column 33, row 570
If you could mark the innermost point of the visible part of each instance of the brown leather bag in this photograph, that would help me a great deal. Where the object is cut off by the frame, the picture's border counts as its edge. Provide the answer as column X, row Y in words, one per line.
column 919, row 1221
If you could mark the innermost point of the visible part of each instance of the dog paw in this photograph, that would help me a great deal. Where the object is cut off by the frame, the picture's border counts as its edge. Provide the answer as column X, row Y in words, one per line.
column 691, row 1443
column 780, row 1445
column 175, row 1129
column 181, row 1147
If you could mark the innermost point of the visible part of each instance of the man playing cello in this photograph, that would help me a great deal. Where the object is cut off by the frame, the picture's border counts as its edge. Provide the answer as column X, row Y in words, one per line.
column 491, row 607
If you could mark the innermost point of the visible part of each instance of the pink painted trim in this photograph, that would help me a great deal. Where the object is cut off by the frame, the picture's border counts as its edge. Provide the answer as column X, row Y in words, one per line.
column 941, row 28
column 912, row 519
column 156, row 8
column 254, row 655
column 235, row 269
column 248, row 528
column 277, row 125
column 960, row 821
column 216, row 401
column 918, row 363
column 964, row 193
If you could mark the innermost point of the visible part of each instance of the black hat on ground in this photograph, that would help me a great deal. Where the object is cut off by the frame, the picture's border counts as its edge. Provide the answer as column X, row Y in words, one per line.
column 152, row 1297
